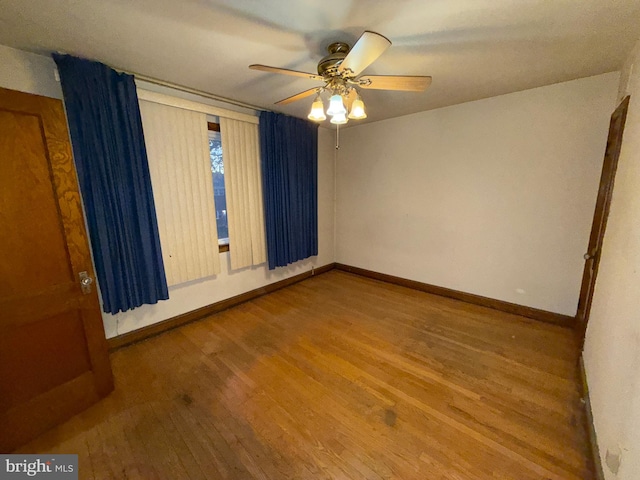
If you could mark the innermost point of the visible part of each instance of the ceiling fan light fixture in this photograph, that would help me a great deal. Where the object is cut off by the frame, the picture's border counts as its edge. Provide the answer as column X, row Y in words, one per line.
column 340, row 71
column 317, row 110
column 336, row 106
column 357, row 109
column 339, row 119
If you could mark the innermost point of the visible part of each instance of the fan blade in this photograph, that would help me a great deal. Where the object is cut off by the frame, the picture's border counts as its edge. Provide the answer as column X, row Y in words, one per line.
column 298, row 96
column 284, row 71
column 405, row 83
column 367, row 49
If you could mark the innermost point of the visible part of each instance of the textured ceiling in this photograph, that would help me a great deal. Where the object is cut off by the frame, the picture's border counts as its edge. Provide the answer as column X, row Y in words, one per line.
column 472, row 48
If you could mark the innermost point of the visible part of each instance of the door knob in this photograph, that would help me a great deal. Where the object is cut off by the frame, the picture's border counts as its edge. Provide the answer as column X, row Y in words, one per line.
column 85, row 282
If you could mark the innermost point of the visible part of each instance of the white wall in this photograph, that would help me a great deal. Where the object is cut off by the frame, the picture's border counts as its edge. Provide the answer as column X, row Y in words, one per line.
column 612, row 347
column 493, row 197
column 35, row 74
column 29, row 73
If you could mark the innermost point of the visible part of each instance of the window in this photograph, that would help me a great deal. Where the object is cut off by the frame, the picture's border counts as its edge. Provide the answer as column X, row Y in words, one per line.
column 217, row 172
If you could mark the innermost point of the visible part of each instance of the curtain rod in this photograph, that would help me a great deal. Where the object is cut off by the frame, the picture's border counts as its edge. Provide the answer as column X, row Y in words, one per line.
column 181, row 88
column 193, row 91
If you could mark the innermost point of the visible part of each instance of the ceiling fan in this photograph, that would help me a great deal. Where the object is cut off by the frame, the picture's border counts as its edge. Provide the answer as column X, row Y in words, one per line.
column 340, row 71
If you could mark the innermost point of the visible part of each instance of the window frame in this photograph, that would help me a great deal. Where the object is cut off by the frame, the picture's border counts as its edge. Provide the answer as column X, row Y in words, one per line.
column 215, row 127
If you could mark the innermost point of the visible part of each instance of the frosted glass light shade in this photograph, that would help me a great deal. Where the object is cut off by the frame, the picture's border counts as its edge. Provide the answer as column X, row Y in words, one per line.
column 339, row 119
column 336, row 107
column 317, row 111
column 357, row 110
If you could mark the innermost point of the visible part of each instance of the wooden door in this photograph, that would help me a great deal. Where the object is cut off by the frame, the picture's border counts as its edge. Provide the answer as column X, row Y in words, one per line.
column 592, row 256
column 54, row 360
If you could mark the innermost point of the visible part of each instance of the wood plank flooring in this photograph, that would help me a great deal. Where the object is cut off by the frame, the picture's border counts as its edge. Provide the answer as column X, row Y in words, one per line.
column 339, row 377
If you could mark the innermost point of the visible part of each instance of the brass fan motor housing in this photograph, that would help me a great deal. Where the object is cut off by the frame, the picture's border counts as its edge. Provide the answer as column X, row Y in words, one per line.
column 337, row 52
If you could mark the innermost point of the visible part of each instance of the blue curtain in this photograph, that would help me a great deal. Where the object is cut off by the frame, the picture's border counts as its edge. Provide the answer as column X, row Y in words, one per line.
column 111, row 161
column 289, row 152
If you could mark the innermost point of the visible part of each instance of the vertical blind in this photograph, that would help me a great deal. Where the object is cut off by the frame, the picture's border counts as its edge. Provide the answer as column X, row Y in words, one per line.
column 178, row 149
column 243, row 188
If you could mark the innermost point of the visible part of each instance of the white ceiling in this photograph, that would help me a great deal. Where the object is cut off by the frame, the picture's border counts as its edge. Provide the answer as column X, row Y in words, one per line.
column 472, row 48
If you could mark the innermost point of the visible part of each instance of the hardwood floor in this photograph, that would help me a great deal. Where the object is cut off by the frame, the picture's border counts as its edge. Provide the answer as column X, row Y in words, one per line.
column 339, row 377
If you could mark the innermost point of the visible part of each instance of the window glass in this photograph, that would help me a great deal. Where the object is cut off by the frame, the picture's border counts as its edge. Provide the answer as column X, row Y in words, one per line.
column 217, row 171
